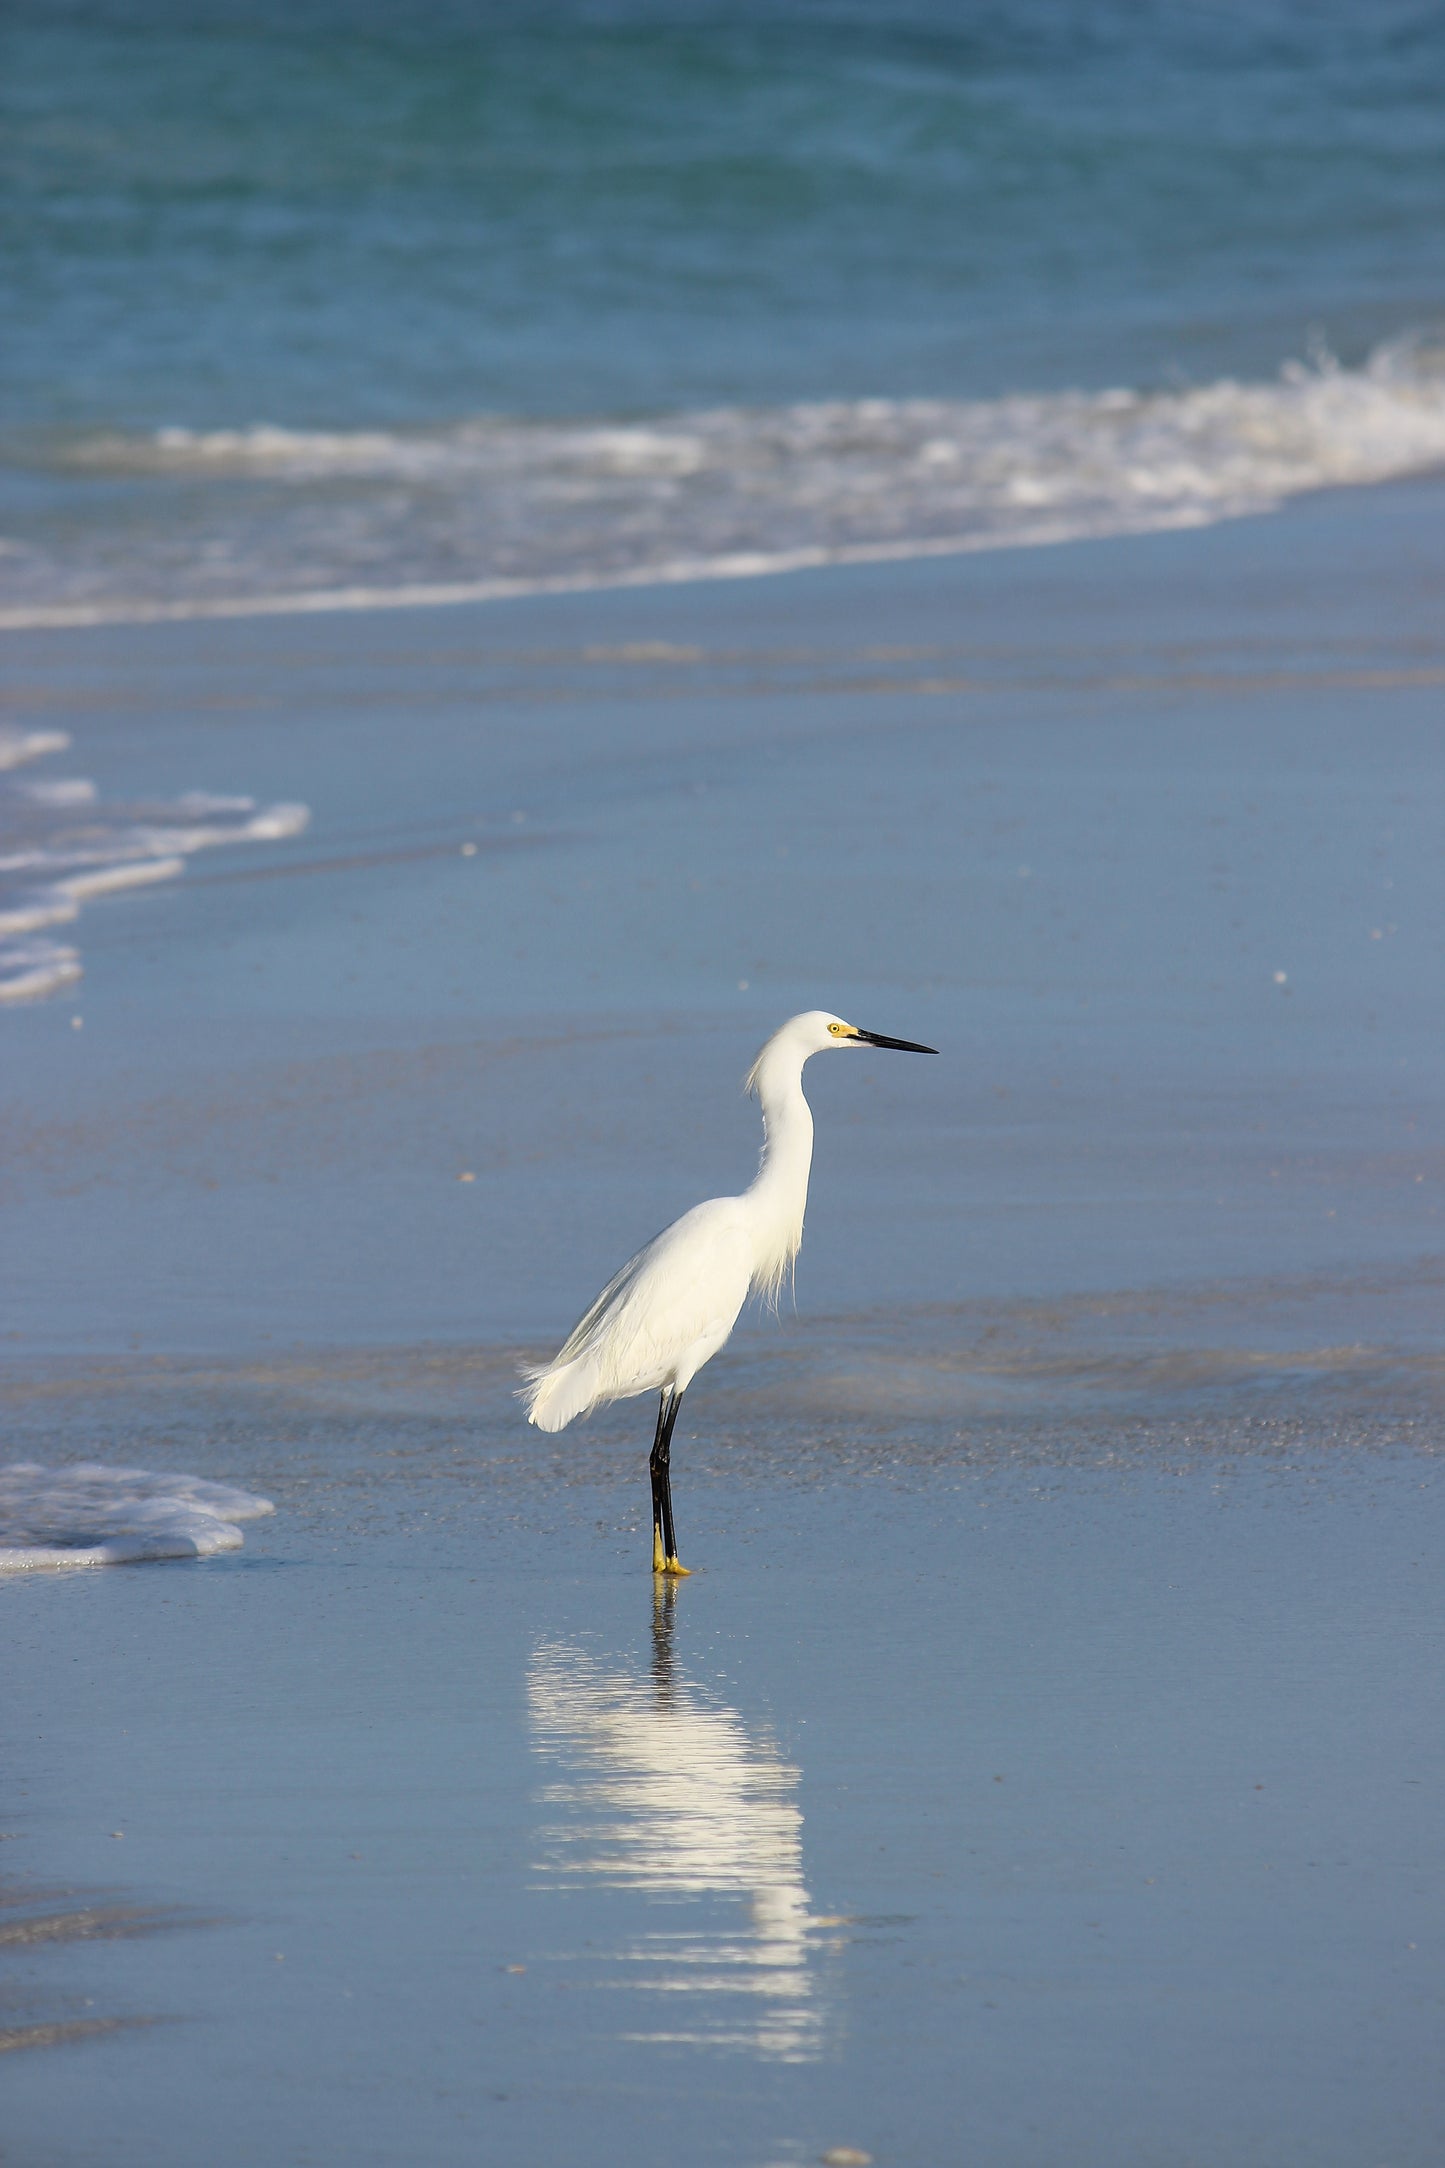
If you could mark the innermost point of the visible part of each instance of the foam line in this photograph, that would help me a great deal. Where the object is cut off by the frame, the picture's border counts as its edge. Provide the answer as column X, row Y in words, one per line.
column 54, row 866
column 32, row 974
column 526, row 506
column 88, row 1514
column 685, row 571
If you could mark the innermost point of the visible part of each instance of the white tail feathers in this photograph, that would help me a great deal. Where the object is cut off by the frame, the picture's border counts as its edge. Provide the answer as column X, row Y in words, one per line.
column 556, row 1393
column 585, row 1370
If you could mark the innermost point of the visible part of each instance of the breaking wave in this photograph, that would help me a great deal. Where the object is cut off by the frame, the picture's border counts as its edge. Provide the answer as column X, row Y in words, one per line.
column 234, row 521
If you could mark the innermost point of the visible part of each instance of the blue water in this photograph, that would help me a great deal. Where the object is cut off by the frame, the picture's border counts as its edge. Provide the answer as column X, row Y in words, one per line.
column 288, row 284
column 1041, row 1767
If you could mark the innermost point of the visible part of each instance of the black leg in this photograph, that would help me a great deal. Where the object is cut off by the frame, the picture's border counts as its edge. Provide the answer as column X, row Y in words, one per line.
column 669, row 1533
column 664, row 1536
column 655, row 1467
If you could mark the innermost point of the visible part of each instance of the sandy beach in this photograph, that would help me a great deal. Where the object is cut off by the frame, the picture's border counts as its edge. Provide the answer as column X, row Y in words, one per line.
column 1043, row 1763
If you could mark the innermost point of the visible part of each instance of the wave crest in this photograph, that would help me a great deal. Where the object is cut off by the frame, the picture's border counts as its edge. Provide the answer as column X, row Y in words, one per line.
column 268, row 517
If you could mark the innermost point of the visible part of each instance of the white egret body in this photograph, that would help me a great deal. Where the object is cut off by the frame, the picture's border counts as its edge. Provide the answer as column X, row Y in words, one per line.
column 673, row 1305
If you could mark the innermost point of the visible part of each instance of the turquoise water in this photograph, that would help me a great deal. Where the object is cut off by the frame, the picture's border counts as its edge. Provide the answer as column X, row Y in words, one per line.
column 346, row 296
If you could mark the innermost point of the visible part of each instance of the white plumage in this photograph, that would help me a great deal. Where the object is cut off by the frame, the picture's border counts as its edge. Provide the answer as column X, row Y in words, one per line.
column 657, row 1322
column 674, row 1304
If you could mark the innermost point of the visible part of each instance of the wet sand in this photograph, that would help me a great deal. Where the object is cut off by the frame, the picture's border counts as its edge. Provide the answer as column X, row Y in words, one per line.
column 1043, row 1763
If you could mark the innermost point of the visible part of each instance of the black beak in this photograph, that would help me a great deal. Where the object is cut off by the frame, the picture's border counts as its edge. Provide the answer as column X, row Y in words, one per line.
column 899, row 1046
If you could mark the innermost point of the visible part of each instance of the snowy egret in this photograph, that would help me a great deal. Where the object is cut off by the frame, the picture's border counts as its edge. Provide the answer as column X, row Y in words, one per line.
column 674, row 1304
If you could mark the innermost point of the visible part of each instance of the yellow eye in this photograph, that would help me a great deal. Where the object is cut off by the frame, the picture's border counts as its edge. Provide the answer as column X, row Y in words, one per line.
column 839, row 1031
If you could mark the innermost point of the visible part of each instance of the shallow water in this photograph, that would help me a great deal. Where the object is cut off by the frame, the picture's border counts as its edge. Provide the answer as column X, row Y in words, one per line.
column 1148, row 854
column 1007, row 1798
column 60, row 848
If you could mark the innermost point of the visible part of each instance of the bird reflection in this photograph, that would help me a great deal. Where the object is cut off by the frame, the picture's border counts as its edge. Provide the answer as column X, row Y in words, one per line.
column 661, row 1792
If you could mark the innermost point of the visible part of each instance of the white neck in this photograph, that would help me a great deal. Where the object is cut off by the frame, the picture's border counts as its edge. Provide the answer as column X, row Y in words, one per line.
column 778, row 1197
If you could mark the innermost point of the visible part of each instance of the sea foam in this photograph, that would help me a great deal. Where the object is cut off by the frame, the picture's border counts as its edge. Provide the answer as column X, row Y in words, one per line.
column 504, row 505
column 90, row 1515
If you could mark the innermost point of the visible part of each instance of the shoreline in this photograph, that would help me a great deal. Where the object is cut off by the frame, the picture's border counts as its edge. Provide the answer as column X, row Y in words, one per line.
column 686, row 572
column 727, row 494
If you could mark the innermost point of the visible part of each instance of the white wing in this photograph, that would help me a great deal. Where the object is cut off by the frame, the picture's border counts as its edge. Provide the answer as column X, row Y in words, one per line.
column 656, row 1322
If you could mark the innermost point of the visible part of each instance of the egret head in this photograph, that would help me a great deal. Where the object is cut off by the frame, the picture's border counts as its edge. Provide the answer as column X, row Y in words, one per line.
column 837, row 1033
column 817, row 1031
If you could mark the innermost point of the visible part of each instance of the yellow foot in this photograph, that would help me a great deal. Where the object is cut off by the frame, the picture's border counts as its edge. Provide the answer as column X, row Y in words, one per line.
column 661, row 1563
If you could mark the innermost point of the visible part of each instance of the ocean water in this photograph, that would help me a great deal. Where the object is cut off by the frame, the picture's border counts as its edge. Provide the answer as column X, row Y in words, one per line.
column 346, row 299
column 349, row 304
column 1041, row 1765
